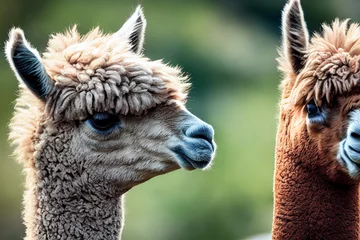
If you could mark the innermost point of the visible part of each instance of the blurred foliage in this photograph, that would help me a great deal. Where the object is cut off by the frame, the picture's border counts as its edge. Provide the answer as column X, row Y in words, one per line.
column 229, row 49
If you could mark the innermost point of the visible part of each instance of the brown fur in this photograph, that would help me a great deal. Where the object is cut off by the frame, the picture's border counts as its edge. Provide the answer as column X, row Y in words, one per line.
column 332, row 66
column 314, row 195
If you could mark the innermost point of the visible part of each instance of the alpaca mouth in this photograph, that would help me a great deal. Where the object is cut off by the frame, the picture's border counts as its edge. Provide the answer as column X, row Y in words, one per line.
column 194, row 156
column 349, row 157
column 349, row 152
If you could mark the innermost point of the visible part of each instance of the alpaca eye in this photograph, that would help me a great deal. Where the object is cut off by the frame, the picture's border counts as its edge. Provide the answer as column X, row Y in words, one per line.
column 315, row 114
column 103, row 121
column 312, row 109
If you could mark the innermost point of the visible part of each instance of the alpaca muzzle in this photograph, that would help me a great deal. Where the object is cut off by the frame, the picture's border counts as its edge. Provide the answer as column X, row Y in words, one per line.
column 197, row 148
column 349, row 148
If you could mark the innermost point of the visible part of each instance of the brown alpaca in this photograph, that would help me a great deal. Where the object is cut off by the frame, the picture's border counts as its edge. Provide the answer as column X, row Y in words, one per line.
column 93, row 119
column 318, row 140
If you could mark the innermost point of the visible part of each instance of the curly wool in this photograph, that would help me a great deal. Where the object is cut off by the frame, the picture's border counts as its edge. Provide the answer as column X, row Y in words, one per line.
column 98, row 72
column 332, row 66
column 336, row 75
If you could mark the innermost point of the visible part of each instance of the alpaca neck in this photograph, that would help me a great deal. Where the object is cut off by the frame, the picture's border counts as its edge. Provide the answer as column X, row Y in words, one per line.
column 63, row 214
column 65, row 199
column 309, row 206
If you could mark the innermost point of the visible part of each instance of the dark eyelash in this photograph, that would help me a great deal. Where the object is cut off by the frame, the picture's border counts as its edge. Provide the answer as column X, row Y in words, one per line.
column 315, row 114
column 103, row 123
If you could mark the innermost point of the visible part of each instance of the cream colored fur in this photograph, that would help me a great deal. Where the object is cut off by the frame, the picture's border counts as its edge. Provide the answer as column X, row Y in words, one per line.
column 75, row 177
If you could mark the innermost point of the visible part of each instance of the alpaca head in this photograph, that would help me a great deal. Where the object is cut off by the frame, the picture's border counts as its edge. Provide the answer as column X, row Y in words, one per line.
column 94, row 106
column 320, row 106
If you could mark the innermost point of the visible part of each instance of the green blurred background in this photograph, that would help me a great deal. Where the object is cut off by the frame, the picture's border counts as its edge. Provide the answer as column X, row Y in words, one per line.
column 229, row 49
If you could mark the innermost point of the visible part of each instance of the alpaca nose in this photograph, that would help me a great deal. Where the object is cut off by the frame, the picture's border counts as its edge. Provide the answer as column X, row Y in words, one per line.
column 355, row 134
column 194, row 147
column 201, row 131
column 353, row 137
column 352, row 144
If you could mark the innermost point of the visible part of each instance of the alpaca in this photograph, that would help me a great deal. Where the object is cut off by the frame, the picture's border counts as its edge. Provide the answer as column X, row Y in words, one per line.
column 93, row 119
column 317, row 167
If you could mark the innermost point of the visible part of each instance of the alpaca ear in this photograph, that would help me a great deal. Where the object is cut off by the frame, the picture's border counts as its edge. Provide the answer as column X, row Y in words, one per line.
column 26, row 64
column 134, row 30
column 295, row 35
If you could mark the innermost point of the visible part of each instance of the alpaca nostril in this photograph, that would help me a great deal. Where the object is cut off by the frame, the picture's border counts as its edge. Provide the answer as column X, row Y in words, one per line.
column 201, row 131
column 355, row 135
